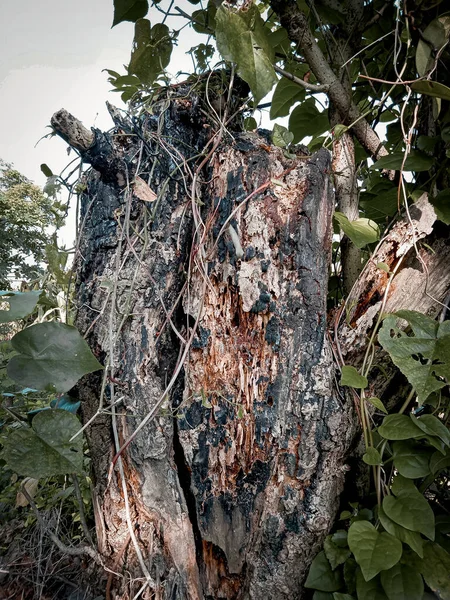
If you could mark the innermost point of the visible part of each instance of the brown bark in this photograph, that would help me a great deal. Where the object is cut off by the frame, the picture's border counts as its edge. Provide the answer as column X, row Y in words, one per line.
column 235, row 482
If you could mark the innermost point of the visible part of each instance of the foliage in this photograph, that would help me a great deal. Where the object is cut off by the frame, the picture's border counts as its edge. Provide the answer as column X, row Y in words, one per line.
column 26, row 214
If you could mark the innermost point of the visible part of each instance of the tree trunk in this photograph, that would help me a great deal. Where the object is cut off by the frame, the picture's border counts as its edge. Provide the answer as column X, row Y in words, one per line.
column 208, row 307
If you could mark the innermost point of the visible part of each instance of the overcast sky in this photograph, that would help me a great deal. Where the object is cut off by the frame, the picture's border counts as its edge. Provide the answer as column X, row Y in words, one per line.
column 52, row 53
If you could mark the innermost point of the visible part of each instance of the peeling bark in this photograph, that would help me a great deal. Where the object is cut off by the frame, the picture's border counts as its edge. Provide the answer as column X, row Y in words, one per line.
column 417, row 251
column 234, row 484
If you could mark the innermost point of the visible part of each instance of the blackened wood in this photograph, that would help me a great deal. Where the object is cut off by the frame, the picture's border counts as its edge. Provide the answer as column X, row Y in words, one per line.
column 235, row 483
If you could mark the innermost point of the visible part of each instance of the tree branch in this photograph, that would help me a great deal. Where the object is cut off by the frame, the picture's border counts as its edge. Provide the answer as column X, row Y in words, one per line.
column 78, row 551
column 311, row 87
column 296, row 25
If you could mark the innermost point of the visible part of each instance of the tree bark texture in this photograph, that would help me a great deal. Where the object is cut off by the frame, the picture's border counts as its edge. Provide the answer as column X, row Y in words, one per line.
column 232, row 486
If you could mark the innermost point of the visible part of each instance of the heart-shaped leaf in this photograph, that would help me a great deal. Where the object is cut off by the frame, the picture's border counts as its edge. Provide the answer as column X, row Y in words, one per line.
column 286, row 94
column 416, row 161
column 372, row 456
column 129, row 10
column 45, row 449
column 242, row 38
column 152, row 50
column 441, row 205
column 431, row 425
column 400, row 583
column 423, row 358
column 360, row 231
column 436, row 570
column 409, row 509
column 412, row 538
column 281, row 136
column 439, row 462
column 306, row 120
column 369, row 590
column 399, row 427
column 411, row 460
column 50, row 356
column 351, row 377
column 336, row 555
column 321, row 577
column 21, row 304
column 431, row 88
column 373, row 551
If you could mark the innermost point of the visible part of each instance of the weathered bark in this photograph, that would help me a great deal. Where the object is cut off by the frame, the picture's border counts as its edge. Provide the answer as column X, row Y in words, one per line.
column 235, row 482
column 418, row 279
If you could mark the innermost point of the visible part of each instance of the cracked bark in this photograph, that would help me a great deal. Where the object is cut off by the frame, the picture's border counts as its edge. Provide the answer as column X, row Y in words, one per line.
column 235, row 483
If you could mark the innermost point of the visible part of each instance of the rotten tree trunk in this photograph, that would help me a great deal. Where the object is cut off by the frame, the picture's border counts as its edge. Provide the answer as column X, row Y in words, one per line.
column 229, row 491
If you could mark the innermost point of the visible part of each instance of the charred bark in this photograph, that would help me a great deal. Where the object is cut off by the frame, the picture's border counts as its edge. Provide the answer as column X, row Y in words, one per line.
column 231, row 487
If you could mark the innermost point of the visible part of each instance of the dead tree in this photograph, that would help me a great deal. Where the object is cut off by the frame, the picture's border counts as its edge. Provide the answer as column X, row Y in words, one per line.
column 218, row 435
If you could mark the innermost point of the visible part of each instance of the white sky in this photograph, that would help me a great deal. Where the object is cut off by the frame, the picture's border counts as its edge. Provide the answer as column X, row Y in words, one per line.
column 52, row 53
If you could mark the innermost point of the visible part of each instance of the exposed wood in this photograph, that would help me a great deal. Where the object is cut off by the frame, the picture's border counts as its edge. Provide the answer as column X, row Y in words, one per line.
column 418, row 253
column 72, row 130
column 234, row 484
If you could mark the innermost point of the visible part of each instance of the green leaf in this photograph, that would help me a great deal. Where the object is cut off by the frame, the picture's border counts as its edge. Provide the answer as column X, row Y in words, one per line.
column 321, row 577
column 204, row 21
column 425, row 358
column 286, row 94
column 350, row 569
column 322, row 596
column 373, row 551
column 46, row 170
column 439, row 462
column 50, row 355
column 441, row 205
column 416, row 161
column 411, row 460
column 281, row 136
column 412, row 538
column 152, row 49
column 379, row 202
column 377, row 403
column 361, row 231
column 431, row 425
column 306, row 120
column 44, row 450
column 410, row 510
column 424, row 60
column 280, row 42
column 340, row 538
column 399, row 427
column 384, row 267
column 129, row 10
column 369, row 590
column 435, row 35
column 339, row 596
column 21, row 304
column 436, row 570
column 250, row 124
column 55, row 259
column 124, row 80
column 400, row 583
column 372, row 456
column 351, row 378
column 336, row 555
column 242, row 38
